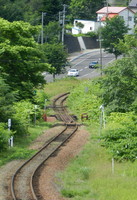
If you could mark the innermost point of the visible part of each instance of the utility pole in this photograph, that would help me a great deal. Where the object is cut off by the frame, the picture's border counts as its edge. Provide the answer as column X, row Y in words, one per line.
column 42, row 20
column 107, row 8
column 60, row 24
column 63, row 22
column 100, row 46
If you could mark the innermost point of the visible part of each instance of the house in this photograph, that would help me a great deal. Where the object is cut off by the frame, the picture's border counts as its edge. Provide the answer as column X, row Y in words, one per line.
column 88, row 26
column 133, row 5
column 124, row 12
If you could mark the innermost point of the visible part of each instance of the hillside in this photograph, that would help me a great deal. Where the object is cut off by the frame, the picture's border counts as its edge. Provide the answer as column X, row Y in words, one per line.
column 117, row 2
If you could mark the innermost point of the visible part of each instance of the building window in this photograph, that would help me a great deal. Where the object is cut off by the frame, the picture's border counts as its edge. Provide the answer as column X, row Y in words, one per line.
column 129, row 18
column 122, row 17
column 90, row 28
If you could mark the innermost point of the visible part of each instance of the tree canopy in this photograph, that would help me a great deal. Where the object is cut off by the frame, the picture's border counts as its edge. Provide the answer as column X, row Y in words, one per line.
column 7, row 98
column 120, row 81
column 21, row 59
column 56, row 56
column 120, row 85
column 111, row 33
column 30, row 11
column 85, row 9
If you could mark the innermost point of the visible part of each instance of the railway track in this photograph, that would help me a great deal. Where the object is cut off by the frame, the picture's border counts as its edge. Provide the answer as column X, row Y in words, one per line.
column 60, row 109
column 24, row 183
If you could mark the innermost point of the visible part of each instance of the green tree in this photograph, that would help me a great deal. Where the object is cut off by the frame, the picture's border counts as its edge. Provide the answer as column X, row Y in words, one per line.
column 56, row 56
column 23, row 115
column 21, row 59
column 7, row 98
column 4, row 136
column 128, row 43
column 80, row 25
column 52, row 31
column 52, row 9
column 120, row 84
column 21, row 10
column 111, row 33
column 120, row 78
column 84, row 9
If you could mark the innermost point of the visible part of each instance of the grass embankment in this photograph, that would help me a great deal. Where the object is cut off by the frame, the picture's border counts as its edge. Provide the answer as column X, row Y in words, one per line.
column 21, row 150
column 93, row 175
column 90, row 176
column 61, row 86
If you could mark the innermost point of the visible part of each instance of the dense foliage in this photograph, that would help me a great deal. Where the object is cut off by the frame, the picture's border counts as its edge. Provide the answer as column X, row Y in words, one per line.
column 22, row 62
column 84, row 9
column 120, row 85
column 4, row 136
column 111, row 33
column 120, row 80
column 7, row 98
column 56, row 57
column 85, row 99
column 31, row 10
column 21, row 59
column 120, row 136
column 120, row 96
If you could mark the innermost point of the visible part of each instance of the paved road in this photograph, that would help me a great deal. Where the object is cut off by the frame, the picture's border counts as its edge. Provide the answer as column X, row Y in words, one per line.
column 81, row 60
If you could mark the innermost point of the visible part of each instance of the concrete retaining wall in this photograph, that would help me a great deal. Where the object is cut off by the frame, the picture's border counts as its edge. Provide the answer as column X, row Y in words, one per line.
column 74, row 44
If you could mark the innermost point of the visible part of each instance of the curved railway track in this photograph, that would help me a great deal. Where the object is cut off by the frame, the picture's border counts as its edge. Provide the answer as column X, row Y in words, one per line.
column 24, row 182
column 60, row 109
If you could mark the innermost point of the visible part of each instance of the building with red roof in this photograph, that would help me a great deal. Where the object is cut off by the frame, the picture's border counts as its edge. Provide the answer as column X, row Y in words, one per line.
column 124, row 12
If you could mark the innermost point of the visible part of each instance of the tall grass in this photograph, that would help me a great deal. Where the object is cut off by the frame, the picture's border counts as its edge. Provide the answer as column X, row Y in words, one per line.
column 61, row 86
column 91, row 177
column 20, row 149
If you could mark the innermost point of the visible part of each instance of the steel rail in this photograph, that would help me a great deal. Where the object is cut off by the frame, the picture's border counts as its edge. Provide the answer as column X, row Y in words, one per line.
column 34, row 191
column 15, row 174
column 60, row 109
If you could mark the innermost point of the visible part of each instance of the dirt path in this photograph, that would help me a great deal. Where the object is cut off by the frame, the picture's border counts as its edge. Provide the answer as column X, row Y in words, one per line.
column 48, row 187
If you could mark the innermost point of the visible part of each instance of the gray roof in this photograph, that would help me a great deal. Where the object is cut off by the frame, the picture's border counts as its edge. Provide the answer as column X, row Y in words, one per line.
column 133, row 3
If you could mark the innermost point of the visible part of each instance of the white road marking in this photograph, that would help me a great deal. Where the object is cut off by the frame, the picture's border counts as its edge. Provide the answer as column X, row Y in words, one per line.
column 83, row 60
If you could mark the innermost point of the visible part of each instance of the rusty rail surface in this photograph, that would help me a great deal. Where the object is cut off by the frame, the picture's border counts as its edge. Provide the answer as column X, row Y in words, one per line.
column 23, row 184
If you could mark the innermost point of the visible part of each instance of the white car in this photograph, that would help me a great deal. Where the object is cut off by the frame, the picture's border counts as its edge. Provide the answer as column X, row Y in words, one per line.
column 73, row 72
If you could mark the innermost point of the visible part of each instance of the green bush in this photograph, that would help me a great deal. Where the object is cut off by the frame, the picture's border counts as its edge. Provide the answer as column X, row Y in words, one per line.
column 24, row 115
column 85, row 99
column 40, row 97
column 120, row 136
column 4, row 136
column 91, row 34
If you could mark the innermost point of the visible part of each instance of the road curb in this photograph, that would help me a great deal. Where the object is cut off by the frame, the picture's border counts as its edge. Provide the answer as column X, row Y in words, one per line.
column 80, row 54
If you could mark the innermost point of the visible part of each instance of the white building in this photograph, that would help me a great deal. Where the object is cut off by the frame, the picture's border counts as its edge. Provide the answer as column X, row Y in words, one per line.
column 133, row 5
column 124, row 12
column 89, row 26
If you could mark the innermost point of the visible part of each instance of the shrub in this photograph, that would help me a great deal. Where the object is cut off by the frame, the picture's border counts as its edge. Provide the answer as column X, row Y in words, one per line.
column 120, row 136
column 24, row 114
column 40, row 97
column 85, row 98
column 4, row 136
